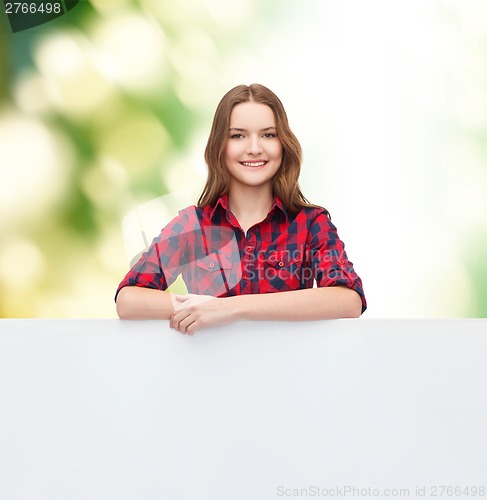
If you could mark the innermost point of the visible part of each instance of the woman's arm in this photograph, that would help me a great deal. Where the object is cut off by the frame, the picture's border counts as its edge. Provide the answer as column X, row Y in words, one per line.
column 297, row 305
column 135, row 302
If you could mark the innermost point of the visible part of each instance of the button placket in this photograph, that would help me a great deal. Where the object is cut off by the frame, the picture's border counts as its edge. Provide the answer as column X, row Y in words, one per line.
column 249, row 258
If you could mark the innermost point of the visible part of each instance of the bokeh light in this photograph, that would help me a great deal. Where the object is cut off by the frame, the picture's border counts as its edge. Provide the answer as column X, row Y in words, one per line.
column 35, row 168
column 74, row 83
column 137, row 142
column 131, row 50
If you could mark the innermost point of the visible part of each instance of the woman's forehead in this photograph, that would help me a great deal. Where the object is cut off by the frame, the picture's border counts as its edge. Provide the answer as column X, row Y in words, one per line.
column 247, row 115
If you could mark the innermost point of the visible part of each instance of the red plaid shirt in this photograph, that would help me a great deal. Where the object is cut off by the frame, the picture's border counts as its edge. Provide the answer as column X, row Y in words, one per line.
column 215, row 257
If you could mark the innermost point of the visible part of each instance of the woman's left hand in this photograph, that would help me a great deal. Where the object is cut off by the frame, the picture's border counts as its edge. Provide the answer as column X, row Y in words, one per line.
column 193, row 312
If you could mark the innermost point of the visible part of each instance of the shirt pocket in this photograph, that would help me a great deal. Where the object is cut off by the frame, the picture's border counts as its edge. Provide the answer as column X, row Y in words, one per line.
column 214, row 262
column 212, row 276
column 282, row 272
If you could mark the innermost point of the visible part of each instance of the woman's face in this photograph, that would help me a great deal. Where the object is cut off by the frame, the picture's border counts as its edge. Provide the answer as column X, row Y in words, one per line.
column 253, row 153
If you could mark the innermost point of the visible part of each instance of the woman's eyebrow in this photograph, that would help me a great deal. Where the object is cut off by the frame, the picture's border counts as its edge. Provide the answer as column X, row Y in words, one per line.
column 245, row 130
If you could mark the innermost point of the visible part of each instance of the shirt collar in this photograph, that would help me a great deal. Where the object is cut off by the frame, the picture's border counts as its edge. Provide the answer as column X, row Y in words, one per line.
column 222, row 202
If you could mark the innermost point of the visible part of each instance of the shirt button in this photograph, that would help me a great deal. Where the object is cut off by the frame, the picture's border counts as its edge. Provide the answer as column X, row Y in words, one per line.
column 212, row 265
column 341, row 262
column 280, row 263
column 249, row 248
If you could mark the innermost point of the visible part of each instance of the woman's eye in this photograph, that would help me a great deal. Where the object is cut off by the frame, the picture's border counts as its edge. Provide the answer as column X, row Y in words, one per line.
column 269, row 135
column 236, row 136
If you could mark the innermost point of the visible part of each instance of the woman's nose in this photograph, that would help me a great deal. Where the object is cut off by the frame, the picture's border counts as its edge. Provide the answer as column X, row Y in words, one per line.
column 254, row 146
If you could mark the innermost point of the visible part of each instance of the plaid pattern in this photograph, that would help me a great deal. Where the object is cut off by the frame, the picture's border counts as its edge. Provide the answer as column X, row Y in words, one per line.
column 215, row 257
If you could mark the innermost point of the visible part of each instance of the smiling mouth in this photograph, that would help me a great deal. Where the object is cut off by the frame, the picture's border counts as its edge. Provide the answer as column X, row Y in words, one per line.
column 254, row 164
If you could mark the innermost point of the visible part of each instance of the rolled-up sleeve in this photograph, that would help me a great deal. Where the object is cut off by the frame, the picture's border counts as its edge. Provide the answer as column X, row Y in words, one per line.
column 329, row 261
column 160, row 265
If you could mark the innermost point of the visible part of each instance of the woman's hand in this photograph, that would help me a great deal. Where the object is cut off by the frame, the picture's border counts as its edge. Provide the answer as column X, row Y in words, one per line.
column 193, row 312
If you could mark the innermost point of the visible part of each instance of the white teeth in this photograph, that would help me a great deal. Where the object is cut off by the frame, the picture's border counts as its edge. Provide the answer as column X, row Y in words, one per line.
column 254, row 164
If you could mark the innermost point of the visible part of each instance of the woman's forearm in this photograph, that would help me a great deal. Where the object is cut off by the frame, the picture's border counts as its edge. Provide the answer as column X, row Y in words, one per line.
column 299, row 305
column 134, row 302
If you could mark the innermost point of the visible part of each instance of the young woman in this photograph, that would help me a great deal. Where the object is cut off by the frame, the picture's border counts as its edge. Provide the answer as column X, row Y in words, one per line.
column 253, row 246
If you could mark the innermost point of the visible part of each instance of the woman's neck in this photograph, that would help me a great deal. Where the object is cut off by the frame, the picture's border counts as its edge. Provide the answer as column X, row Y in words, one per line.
column 250, row 205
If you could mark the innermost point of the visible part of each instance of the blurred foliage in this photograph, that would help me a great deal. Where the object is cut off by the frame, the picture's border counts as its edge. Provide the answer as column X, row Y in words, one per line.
column 109, row 129
column 475, row 260
column 109, row 106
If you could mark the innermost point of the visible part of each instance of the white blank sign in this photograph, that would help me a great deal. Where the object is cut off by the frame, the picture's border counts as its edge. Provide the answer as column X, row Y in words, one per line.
column 110, row 409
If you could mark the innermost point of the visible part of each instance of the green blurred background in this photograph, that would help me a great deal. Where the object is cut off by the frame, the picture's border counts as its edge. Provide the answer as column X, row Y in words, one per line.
column 108, row 107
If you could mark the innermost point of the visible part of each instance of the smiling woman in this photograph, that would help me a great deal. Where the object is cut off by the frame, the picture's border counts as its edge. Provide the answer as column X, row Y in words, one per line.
column 253, row 152
column 253, row 247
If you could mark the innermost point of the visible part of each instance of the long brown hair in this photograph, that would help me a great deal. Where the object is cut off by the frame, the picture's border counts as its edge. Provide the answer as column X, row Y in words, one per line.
column 285, row 183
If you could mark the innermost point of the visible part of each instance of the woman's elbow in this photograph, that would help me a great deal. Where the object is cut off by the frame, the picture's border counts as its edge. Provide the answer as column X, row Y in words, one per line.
column 123, row 305
column 121, row 310
column 353, row 304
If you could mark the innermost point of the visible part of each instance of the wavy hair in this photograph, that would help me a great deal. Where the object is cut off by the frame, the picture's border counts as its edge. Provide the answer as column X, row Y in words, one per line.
column 285, row 183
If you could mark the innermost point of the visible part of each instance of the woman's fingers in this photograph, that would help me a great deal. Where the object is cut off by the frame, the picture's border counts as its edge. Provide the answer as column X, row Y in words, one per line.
column 191, row 312
column 183, row 298
column 184, row 326
column 181, row 320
